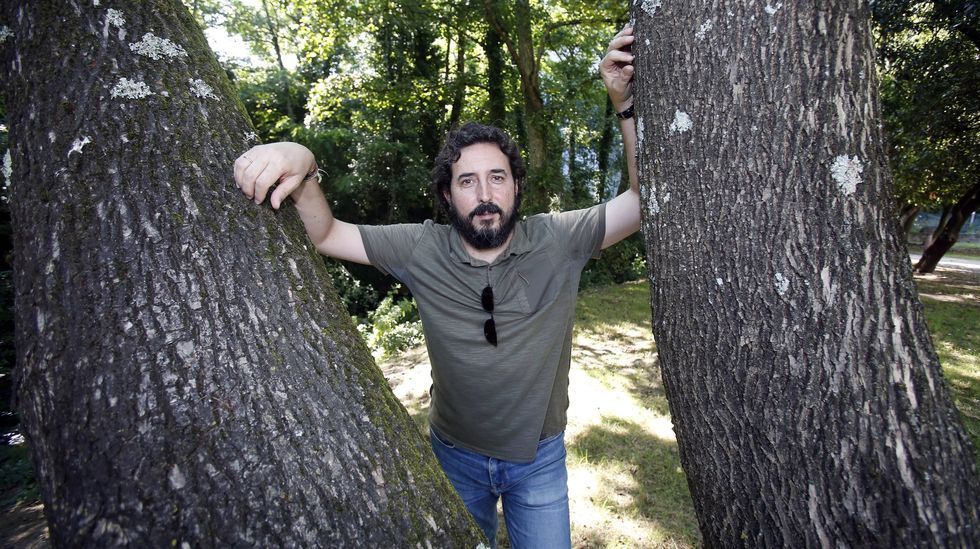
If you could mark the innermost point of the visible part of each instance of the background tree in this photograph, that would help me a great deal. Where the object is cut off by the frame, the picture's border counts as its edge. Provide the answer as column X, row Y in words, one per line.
column 187, row 375
column 930, row 72
column 806, row 397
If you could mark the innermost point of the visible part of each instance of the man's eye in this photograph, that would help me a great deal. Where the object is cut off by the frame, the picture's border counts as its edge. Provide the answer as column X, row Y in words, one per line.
column 497, row 178
column 466, row 183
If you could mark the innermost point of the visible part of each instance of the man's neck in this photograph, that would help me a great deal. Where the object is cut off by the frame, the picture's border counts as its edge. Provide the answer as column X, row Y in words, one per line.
column 489, row 254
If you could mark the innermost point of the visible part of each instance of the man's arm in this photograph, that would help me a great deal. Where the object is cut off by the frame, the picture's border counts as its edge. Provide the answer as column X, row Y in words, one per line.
column 622, row 212
column 288, row 164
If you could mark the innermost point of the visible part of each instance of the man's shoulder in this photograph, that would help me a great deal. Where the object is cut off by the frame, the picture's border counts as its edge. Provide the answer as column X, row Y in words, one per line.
column 553, row 219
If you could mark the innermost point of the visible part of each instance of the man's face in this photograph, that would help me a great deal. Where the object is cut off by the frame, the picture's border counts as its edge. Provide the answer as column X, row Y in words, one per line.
column 483, row 196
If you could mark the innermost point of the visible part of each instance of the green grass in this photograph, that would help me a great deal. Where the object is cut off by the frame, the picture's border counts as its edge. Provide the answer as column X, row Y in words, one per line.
column 951, row 299
column 960, row 250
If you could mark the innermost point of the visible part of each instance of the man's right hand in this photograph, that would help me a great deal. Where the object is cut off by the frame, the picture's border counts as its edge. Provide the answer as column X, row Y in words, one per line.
column 280, row 165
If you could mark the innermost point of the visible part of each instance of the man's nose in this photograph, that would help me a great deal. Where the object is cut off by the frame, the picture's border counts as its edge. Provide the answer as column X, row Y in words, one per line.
column 483, row 191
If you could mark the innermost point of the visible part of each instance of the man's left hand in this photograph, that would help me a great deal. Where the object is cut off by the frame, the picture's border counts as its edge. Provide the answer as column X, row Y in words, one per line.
column 617, row 69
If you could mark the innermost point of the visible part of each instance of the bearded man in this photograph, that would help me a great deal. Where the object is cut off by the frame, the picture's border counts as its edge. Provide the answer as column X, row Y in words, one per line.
column 496, row 295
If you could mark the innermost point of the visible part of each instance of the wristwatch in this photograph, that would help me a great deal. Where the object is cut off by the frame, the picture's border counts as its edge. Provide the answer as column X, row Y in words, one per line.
column 625, row 115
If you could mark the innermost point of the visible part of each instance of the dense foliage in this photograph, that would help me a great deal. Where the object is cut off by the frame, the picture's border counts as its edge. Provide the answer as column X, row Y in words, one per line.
column 372, row 87
column 929, row 66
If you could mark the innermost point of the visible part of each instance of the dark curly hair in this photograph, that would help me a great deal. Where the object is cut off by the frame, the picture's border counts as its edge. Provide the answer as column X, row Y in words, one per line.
column 468, row 134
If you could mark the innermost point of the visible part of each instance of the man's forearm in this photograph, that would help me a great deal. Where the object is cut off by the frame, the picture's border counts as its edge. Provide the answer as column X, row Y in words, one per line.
column 313, row 209
column 628, row 129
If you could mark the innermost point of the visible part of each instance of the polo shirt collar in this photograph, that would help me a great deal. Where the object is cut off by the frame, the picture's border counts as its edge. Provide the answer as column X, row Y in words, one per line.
column 520, row 244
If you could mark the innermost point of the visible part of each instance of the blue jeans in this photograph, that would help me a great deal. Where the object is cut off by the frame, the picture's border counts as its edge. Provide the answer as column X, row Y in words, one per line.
column 535, row 494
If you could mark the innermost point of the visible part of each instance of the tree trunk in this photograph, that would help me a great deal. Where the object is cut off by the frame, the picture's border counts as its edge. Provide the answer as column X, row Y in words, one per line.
column 907, row 218
column 272, row 26
column 544, row 173
column 948, row 231
column 940, row 227
column 459, row 84
column 187, row 375
column 808, row 402
column 496, row 96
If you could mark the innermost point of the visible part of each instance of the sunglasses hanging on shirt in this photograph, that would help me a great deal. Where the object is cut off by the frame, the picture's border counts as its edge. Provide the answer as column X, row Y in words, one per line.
column 489, row 327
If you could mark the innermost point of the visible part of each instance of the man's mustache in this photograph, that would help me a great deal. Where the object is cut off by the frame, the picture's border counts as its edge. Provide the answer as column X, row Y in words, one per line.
column 486, row 208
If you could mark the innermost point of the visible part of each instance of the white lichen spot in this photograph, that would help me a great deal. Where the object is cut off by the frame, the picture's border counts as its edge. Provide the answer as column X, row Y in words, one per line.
column 666, row 198
column 76, row 146
column 653, row 207
column 650, row 6
column 771, row 10
column 719, row 281
column 157, row 48
column 8, row 166
column 113, row 401
column 115, row 18
column 185, row 545
column 52, row 136
column 378, row 476
column 130, row 89
column 682, row 122
column 177, row 480
column 201, row 89
column 251, row 136
column 846, row 171
column 639, row 130
column 782, row 284
column 646, row 41
column 431, row 522
column 96, row 3
column 185, row 349
column 704, row 29
column 5, row 33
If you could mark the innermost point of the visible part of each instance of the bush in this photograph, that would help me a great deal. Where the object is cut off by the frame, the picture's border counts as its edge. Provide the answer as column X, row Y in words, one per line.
column 393, row 326
column 619, row 263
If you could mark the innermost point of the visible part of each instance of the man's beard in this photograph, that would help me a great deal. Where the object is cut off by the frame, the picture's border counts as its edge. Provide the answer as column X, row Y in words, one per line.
column 484, row 237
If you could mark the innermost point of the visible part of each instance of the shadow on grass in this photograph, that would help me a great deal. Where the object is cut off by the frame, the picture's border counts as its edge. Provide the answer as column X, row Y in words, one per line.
column 655, row 489
column 642, row 375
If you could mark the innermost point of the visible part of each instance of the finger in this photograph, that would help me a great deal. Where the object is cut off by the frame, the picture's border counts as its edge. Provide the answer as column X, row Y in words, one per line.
column 251, row 176
column 620, row 42
column 265, row 181
column 285, row 188
column 619, row 57
column 241, row 164
column 628, row 71
column 627, row 29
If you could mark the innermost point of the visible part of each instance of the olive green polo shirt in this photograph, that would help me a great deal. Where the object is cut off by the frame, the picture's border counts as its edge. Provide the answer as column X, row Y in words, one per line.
column 498, row 401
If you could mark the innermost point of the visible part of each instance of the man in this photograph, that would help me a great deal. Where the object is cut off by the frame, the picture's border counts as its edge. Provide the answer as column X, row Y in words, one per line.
column 496, row 296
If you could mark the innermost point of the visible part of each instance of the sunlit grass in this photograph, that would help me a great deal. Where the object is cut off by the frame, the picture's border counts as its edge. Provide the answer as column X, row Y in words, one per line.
column 952, row 305
column 626, row 486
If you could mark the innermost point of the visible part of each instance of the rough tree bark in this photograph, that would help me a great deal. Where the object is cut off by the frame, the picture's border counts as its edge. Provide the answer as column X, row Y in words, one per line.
column 808, row 402
column 187, row 374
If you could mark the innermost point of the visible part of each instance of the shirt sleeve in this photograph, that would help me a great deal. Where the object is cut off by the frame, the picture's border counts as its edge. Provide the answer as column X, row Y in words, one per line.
column 581, row 231
column 390, row 247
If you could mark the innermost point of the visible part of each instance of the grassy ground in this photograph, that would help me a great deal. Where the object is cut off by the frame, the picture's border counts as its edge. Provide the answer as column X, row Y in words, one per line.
column 626, row 487
column 952, row 302
column 961, row 250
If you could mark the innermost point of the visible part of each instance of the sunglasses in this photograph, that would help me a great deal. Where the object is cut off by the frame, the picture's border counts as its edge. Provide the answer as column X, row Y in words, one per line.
column 489, row 327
